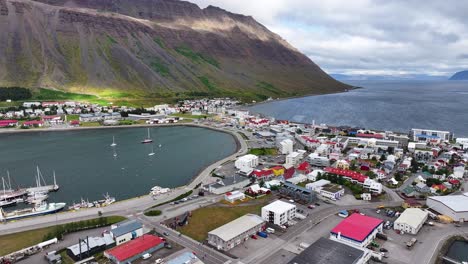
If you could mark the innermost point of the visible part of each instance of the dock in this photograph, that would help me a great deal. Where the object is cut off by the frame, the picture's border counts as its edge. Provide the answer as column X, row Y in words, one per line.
column 43, row 189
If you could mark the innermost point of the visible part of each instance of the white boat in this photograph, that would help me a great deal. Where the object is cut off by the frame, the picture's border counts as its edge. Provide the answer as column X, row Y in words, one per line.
column 41, row 185
column 157, row 190
column 37, row 197
column 108, row 200
column 4, row 202
column 115, row 153
column 152, row 151
column 42, row 209
column 148, row 139
column 113, row 142
column 160, row 145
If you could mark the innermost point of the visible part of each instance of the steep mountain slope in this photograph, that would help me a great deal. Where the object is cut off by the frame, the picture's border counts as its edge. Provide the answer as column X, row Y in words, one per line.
column 461, row 75
column 160, row 47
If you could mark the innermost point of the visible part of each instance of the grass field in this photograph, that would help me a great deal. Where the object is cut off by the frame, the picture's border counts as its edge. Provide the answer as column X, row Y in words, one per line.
column 16, row 241
column 206, row 219
column 264, row 151
column 90, row 124
column 73, row 117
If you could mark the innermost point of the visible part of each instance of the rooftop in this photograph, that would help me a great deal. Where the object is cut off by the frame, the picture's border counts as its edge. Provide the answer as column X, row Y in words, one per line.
column 458, row 203
column 126, row 227
column 236, row 227
column 185, row 258
column 332, row 188
column 412, row 217
column 134, row 247
column 357, row 227
column 326, row 251
column 279, row 207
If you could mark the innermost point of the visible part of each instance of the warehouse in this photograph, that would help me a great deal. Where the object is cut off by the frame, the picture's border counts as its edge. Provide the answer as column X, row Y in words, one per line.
column 411, row 220
column 235, row 232
column 278, row 212
column 453, row 206
column 130, row 251
column 127, row 231
column 326, row 251
column 357, row 230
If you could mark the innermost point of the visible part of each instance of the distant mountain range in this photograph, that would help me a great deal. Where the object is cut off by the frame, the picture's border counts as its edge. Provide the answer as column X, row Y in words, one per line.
column 361, row 77
column 163, row 48
column 461, row 75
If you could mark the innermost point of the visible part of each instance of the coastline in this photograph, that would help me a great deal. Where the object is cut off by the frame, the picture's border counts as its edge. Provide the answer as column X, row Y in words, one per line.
column 352, row 88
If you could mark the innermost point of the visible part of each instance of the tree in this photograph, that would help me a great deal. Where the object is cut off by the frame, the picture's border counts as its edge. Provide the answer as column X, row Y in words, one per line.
column 382, row 158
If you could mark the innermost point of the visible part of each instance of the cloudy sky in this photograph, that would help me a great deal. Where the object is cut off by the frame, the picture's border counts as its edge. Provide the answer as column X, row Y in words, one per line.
column 368, row 36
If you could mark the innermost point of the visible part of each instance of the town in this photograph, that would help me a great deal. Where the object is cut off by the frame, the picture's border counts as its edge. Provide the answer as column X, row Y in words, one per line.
column 293, row 193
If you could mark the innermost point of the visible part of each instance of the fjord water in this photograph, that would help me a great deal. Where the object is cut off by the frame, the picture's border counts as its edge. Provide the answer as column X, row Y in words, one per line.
column 383, row 105
column 85, row 166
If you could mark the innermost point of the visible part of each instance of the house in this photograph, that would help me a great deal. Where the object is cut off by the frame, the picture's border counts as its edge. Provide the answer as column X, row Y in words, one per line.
column 234, row 196
column 304, row 168
column 332, row 191
column 409, row 191
column 279, row 212
column 342, row 164
column 422, row 188
column 52, row 120
column 126, row 231
column 33, row 123
column 314, row 174
column 262, row 175
column 439, row 187
column 8, row 123
column 366, row 196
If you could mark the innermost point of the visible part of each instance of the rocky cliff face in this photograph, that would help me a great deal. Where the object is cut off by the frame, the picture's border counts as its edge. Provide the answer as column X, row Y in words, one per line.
column 149, row 46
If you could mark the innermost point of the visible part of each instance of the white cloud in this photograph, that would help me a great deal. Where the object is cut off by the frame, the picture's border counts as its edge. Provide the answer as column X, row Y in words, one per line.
column 401, row 36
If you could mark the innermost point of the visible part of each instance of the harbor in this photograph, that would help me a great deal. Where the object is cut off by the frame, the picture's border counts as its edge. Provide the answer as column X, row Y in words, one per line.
column 86, row 168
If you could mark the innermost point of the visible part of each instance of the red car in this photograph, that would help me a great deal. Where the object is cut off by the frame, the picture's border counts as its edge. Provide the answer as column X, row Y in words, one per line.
column 254, row 236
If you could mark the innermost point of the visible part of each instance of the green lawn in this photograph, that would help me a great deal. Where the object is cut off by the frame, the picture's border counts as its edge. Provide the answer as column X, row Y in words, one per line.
column 206, row 219
column 73, row 117
column 16, row 241
column 264, row 151
column 90, row 124
column 46, row 94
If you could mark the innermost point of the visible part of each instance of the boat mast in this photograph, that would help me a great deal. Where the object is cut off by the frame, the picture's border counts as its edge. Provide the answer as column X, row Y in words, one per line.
column 9, row 181
column 55, row 182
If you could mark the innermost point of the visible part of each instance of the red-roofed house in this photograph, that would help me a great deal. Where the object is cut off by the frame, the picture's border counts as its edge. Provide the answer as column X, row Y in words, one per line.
column 304, row 168
column 439, row 187
column 33, row 123
column 376, row 136
column 8, row 123
column 262, row 174
column 52, row 119
column 134, row 249
column 288, row 173
column 357, row 230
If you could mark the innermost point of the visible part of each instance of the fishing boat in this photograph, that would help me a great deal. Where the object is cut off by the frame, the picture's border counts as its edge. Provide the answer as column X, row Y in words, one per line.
column 82, row 204
column 108, row 200
column 41, row 209
column 152, row 151
column 113, row 142
column 148, row 139
column 157, row 190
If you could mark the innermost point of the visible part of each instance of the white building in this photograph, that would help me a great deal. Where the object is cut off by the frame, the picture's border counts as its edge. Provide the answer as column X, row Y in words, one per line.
column 315, row 160
column 411, row 220
column 126, row 231
column 372, row 186
column 293, row 159
column 286, row 146
column 234, row 196
column 332, row 191
column 314, row 174
column 278, row 212
column 454, row 206
column 427, row 135
column 463, row 142
column 315, row 186
column 235, row 232
column 246, row 162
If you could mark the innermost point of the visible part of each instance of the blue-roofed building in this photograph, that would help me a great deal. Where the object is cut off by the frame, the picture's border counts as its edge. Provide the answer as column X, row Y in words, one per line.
column 426, row 135
column 184, row 258
column 127, row 231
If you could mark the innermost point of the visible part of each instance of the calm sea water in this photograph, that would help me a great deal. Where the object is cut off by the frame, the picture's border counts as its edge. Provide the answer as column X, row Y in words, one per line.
column 85, row 166
column 383, row 105
column 458, row 250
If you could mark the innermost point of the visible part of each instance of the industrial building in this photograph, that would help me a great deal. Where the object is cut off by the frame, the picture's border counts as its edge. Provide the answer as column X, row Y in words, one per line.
column 133, row 250
column 326, row 251
column 453, row 206
column 126, row 231
column 90, row 246
column 426, row 135
column 278, row 212
column 227, row 184
column 357, row 230
column 316, row 186
column 235, row 232
column 411, row 220
column 332, row 191
column 186, row 257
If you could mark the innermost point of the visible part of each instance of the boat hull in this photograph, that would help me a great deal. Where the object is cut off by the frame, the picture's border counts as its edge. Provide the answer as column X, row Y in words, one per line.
column 33, row 214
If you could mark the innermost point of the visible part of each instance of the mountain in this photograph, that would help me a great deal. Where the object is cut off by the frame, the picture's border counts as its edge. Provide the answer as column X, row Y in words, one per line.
column 151, row 47
column 403, row 77
column 461, row 75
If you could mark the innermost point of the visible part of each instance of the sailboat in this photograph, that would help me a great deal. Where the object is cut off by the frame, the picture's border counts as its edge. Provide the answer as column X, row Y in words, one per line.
column 160, row 145
column 115, row 153
column 5, row 202
column 148, row 139
column 113, row 142
column 152, row 151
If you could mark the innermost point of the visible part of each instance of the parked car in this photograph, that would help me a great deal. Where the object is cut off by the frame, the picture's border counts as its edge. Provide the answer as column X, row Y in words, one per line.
column 146, row 256
column 383, row 250
column 317, row 204
column 253, row 236
column 165, row 233
column 159, row 261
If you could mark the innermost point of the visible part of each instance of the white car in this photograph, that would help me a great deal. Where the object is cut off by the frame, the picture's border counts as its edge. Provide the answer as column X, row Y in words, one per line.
column 159, row 261
column 146, row 256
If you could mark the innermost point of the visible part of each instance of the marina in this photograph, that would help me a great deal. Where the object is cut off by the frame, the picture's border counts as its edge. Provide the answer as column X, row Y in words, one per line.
column 88, row 166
